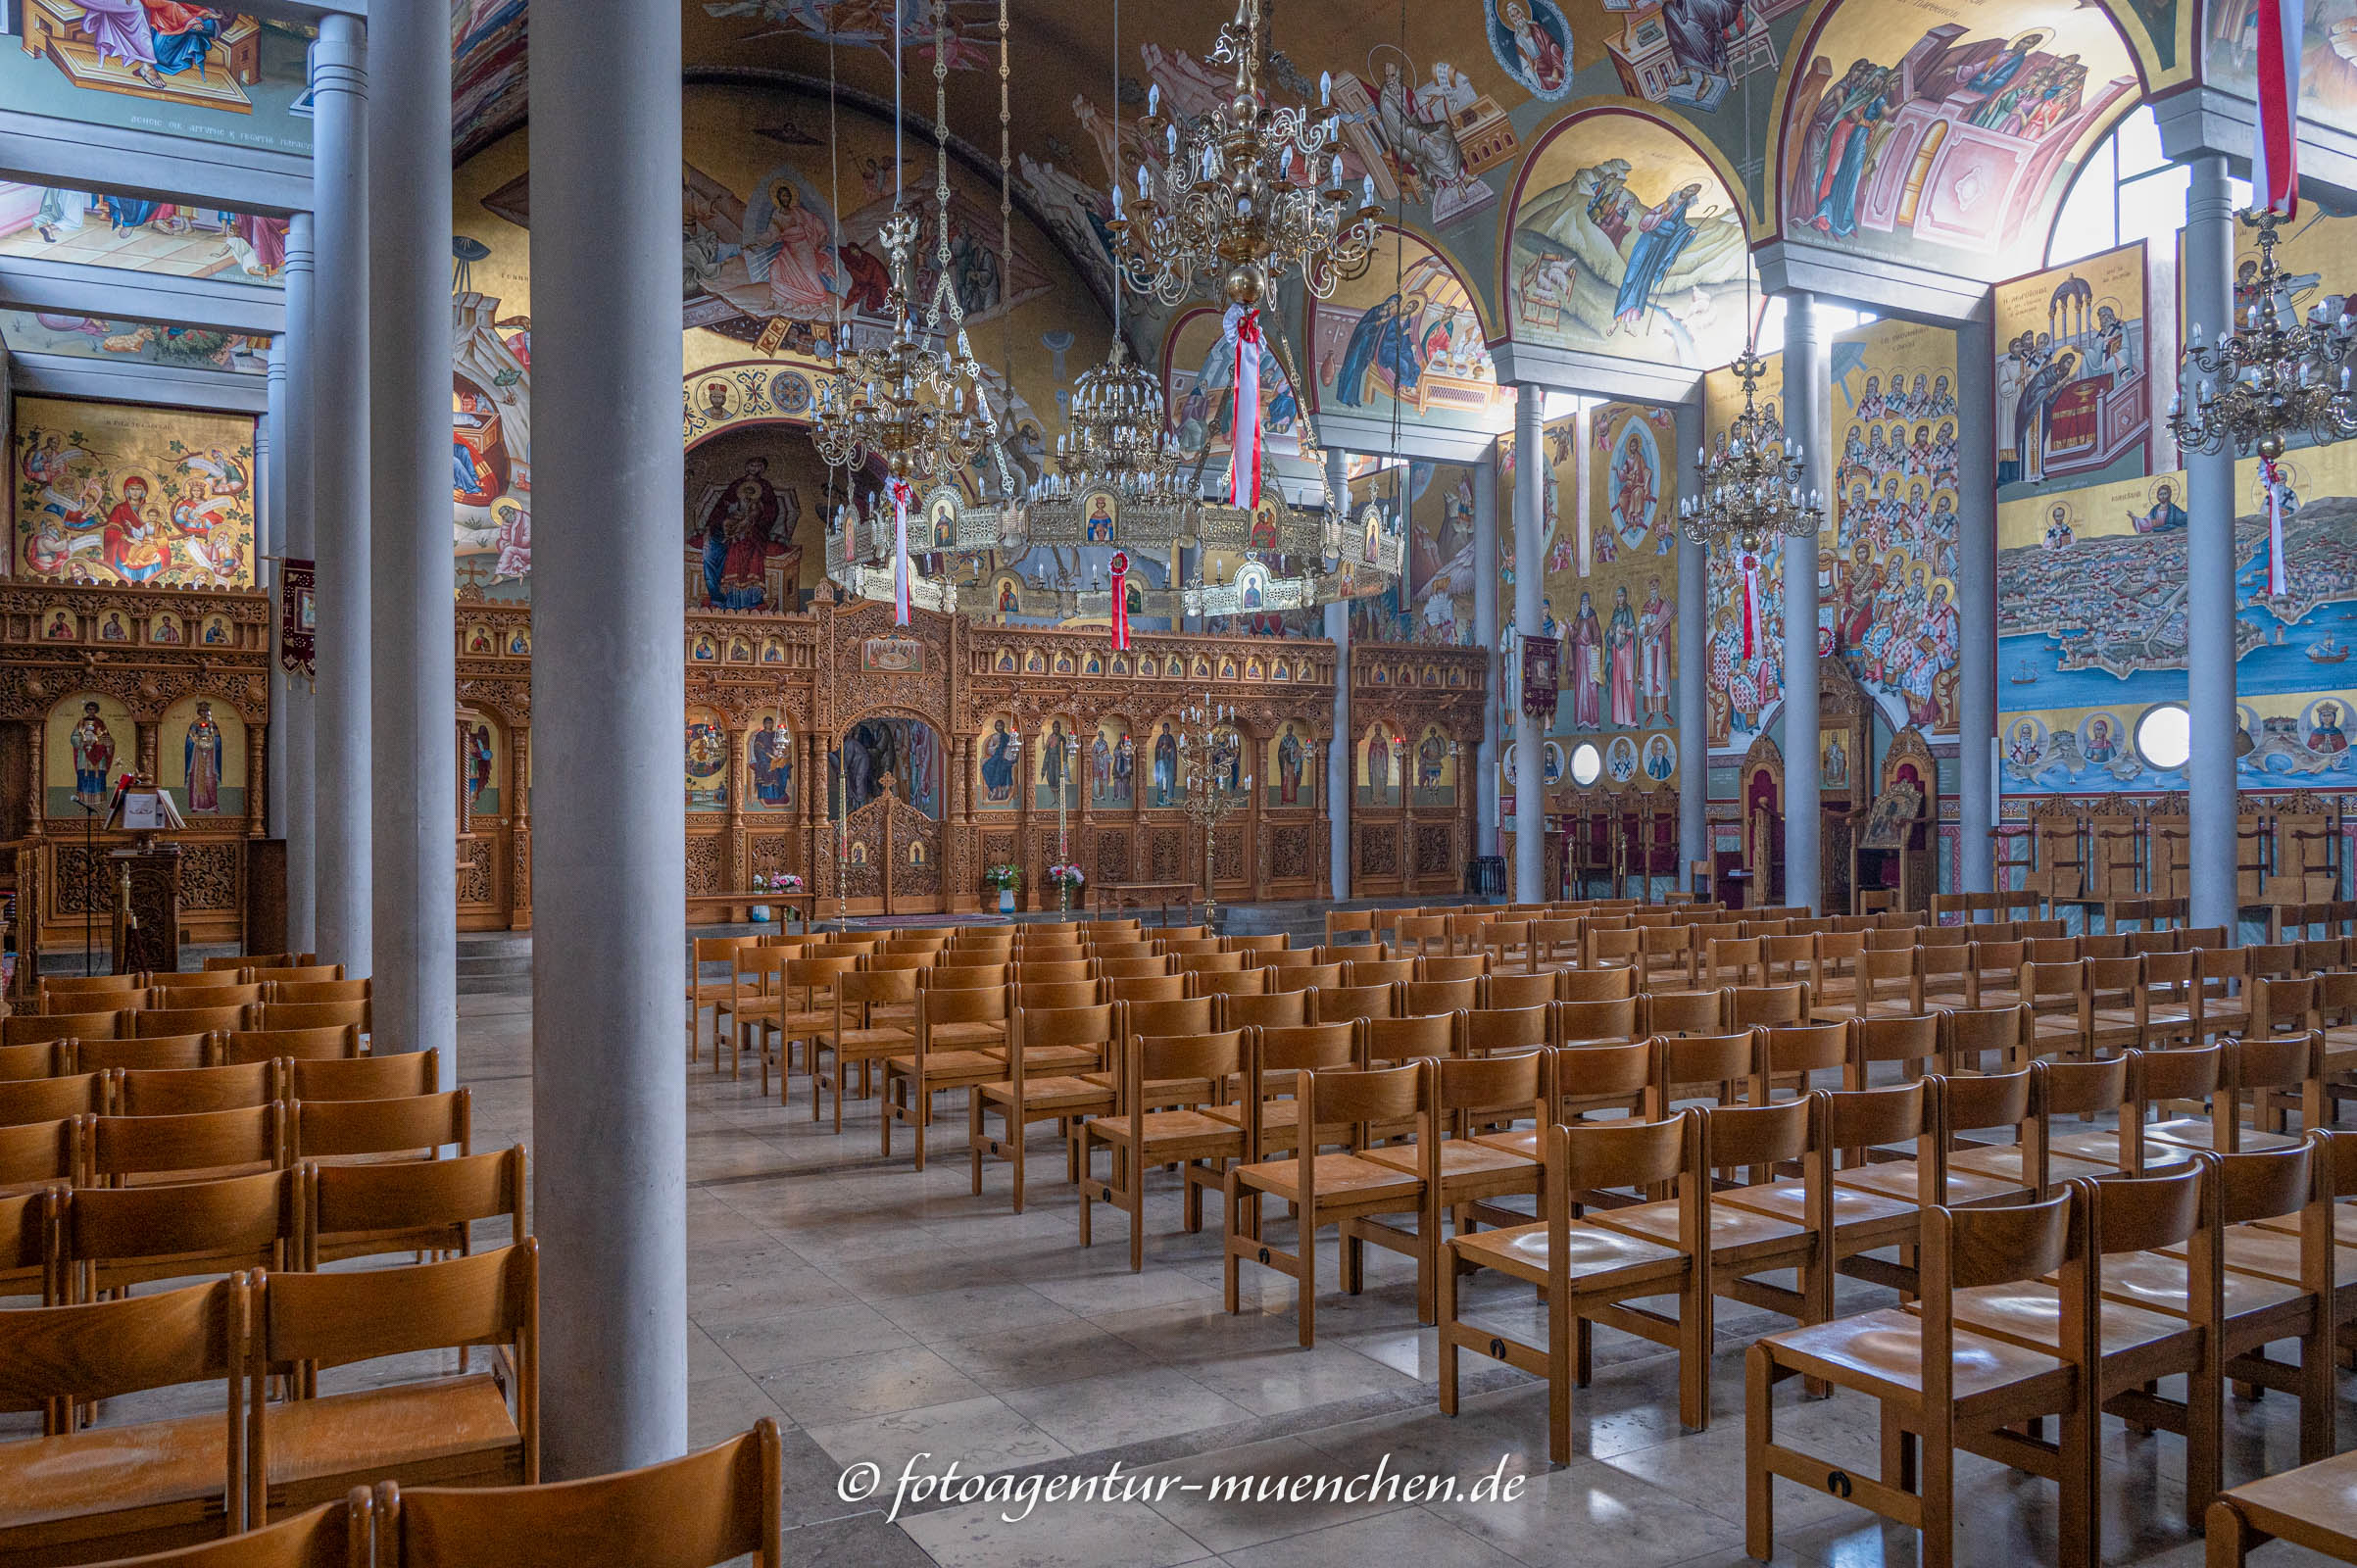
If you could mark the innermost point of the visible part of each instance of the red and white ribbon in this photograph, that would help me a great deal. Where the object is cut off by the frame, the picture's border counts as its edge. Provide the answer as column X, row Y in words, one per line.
column 2275, row 178
column 1748, row 565
column 900, row 552
column 1242, row 324
column 2278, row 571
column 1121, row 601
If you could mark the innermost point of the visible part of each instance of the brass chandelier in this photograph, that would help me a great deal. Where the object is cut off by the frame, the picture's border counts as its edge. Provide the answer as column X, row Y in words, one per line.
column 2271, row 375
column 1755, row 489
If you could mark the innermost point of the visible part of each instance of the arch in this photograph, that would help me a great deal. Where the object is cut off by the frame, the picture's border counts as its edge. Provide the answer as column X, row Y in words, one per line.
column 1410, row 334
column 1950, row 148
column 1620, row 214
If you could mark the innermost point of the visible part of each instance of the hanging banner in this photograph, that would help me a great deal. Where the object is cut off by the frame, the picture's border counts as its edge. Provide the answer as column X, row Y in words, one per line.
column 298, row 617
column 2274, row 178
column 1541, row 676
column 1121, row 600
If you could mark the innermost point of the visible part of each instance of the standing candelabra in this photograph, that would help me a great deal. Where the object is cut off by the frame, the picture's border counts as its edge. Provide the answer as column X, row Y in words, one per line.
column 1063, row 840
column 1208, row 728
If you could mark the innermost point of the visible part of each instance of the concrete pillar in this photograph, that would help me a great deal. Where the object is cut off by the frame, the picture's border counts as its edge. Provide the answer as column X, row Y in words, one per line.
column 608, row 685
column 1977, row 606
column 2209, row 261
column 1808, row 419
column 296, row 716
column 269, row 543
column 414, row 680
column 344, row 777
column 1530, row 563
column 1340, row 796
column 1693, row 664
column 1486, row 792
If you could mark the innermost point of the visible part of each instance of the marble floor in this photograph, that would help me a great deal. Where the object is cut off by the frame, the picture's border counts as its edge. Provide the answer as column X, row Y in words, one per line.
column 881, row 1315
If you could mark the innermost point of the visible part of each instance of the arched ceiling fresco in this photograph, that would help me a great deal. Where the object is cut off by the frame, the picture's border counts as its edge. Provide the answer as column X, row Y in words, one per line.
column 1454, row 109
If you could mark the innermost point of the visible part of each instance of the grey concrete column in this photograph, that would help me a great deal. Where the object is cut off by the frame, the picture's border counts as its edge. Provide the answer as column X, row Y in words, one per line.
column 2209, row 253
column 269, row 543
column 414, row 697
column 1977, row 606
column 608, row 686
column 1693, row 666
column 1485, row 793
column 1529, row 736
column 1340, row 796
column 295, row 787
column 344, row 778
column 1808, row 419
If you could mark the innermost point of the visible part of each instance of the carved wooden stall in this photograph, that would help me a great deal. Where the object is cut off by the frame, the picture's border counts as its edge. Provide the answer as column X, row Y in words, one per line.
column 1419, row 714
column 95, row 683
column 1762, row 797
column 1890, row 853
column 1844, row 775
column 494, row 812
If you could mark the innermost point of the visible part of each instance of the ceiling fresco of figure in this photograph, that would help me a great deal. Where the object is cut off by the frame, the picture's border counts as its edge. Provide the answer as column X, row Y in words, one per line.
column 1404, row 340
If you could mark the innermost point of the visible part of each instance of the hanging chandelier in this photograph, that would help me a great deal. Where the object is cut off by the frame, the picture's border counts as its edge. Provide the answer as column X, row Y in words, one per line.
column 1755, row 488
column 2271, row 375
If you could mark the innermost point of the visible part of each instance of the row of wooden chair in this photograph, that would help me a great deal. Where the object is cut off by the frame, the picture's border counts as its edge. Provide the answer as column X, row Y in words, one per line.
column 179, row 1091
column 186, row 989
column 91, row 1150
column 49, row 1059
column 134, row 1023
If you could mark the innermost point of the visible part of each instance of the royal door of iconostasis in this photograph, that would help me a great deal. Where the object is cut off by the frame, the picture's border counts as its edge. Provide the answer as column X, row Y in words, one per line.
column 487, row 791
column 891, row 780
column 1418, row 716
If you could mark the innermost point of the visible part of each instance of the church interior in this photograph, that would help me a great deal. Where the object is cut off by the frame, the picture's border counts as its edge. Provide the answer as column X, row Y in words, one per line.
column 1367, row 780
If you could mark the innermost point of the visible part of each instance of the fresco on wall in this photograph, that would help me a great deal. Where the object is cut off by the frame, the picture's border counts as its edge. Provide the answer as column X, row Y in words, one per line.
column 2074, row 381
column 89, row 743
column 202, row 757
column 1198, row 379
column 1951, row 147
column 2229, row 58
column 159, row 65
column 1887, row 572
column 751, row 495
column 2092, row 620
column 1403, row 340
column 1745, row 680
column 902, row 756
column 1433, row 599
column 1616, row 595
column 116, row 494
column 138, row 234
column 487, row 70
column 127, row 341
column 1626, row 241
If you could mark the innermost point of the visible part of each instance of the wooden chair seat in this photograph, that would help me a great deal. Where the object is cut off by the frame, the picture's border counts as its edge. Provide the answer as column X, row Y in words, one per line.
column 1462, row 1157
column 1897, row 1178
column 947, row 1037
column 2274, row 1254
column 1072, row 1096
column 2102, row 1148
column 2156, row 1282
column 1217, row 1130
column 2199, row 1132
column 1350, row 1177
column 950, row 1069
column 2314, row 1506
column 2029, row 1316
column 877, row 1037
column 1281, row 1121
column 1526, row 1143
column 1075, row 1060
column 2010, row 1162
column 97, row 1482
column 1735, row 1234
column 1789, row 1201
column 2345, row 1224
column 447, row 1431
column 1519, row 1252
column 1881, row 1352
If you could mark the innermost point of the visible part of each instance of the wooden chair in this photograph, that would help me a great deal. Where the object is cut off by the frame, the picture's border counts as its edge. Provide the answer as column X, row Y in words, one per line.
column 1970, row 1034
column 1240, row 983
column 1851, row 1224
column 412, row 1126
column 88, row 1494
column 197, row 980
column 2262, row 1069
column 183, row 1091
column 1590, row 1273
column 2001, row 1102
column 960, row 1043
column 1609, row 948
column 1496, row 1031
column 1307, row 977
column 310, row 1015
column 1349, row 922
column 2061, row 1000
column 126, row 1151
column 139, row 1055
column 2164, row 1081
column 1465, row 1176
column 699, row 1511
column 1056, row 1061
column 1941, row 1386
column 65, row 993
column 1615, row 1022
column 1553, row 944
column 416, row 1206
column 305, row 992
column 27, row 1245
column 1336, row 1004
column 801, row 1005
column 156, row 1021
column 1596, row 985
column 2308, row 1506
column 1274, row 942
column 455, row 1430
column 2080, row 1090
column 195, row 998
column 1135, row 966
column 43, row 1154
column 40, row 1059
column 1343, row 1190
column 333, row 1043
column 282, row 973
column 47, row 1100
column 49, row 1028
column 1688, row 1013
column 1995, row 978
column 1422, row 997
column 1792, row 1053
column 2221, row 1000
column 408, row 1072
column 1273, row 1010
column 1174, row 1105
column 1912, row 1045
column 856, row 1034
column 1062, row 971
column 1515, row 990
column 1280, row 1053
column 1216, row 962
column 109, row 1239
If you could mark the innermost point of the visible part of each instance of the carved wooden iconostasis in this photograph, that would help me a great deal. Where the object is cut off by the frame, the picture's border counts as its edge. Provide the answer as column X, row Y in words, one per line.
column 1418, row 715
column 171, row 683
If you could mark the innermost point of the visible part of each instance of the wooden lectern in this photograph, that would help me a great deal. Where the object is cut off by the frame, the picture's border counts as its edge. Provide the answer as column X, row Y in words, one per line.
column 144, row 882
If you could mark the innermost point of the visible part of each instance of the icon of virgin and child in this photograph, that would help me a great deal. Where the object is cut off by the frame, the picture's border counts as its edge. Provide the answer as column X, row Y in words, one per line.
column 744, row 523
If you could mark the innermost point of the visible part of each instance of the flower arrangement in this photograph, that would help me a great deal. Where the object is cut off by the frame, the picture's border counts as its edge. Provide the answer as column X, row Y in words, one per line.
column 783, row 882
column 1068, row 876
column 1005, row 878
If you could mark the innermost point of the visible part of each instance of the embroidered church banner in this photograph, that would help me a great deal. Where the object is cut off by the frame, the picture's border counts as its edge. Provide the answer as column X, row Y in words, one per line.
column 1541, row 676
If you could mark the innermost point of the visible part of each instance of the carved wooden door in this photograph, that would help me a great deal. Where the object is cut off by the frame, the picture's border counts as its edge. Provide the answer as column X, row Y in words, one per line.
column 864, row 847
column 913, row 870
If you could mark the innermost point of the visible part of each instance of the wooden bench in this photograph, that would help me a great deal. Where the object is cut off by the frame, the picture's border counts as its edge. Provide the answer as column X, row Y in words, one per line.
column 1112, row 895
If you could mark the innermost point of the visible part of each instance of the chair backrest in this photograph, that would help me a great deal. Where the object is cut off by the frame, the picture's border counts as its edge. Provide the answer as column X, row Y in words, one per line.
column 44, row 1152
column 1971, row 1032
column 1516, row 990
column 104, row 1350
column 1913, row 1043
column 1335, row 1002
column 1603, row 1075
column 189, row 1020
column 198, row 980
column 1748, row 1005
column 46, row 1100
column 1211, row 1059
column 1488, row 1031
column 1306, row 1048
column 2053, row 949
column 1152, row 987
column 1271, row 1009
column 184, row 1091
column 1058, row 993
column 1623, row 1019
column 1182, row 1015
column 40, row 1059
column 409, row 1072
column 112, row 1238
column 1131, row 967
column 2280, row 1006
column 1387, row 1094
column 2266, row 1183
column 1213, row 962
column 329, row 1043
column 1462, row 966
column 1802, row 1048
column 1857, row 1119
column 937, row 1005
column 1967, row 1247
column 1038, row 971
column 395, row 1205
column 29, row 1029
column 1511, row 1084
column 61, row 993
column 1595, row 985
column 197, row 997
column 1439, row 995
column 1393, row 1040
column 693, row 1512
column 1688, row 1013
column 293, row 973
column 1979, row 1104
column 1689, row 1061
column 968, row 977
column 1273, row 941
column 1297, row 957
column 311, row 1015
column 1309, row 977
column 1590, row 1155
column 333, row 1535
column 1610, row 947
column 1240, row 983
column 1757, row 1135
column 165, row 1051
column 330, row 1129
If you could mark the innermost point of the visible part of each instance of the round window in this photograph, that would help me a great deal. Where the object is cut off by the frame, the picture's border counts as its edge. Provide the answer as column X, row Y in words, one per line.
column 2165, row 738
column 1587, row 764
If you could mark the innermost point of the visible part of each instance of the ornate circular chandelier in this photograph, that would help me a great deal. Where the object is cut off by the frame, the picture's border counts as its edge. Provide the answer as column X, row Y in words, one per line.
column 1755, row 488
column 916, row 407
column 2270, row 375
